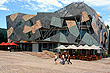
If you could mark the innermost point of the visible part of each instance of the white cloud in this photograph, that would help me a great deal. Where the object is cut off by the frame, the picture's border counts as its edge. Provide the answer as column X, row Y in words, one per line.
column 3, row 8
column 3, row 1
column 90, row 2
column 107, row 22
column 67, row 1
column 98, row 2
column 32, row 6
column 98, row 13
column 24, row 0
column 50, row 2
column 27, row 5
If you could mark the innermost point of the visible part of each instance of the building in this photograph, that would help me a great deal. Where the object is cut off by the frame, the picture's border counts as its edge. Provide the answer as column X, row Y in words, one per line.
column 76, row 23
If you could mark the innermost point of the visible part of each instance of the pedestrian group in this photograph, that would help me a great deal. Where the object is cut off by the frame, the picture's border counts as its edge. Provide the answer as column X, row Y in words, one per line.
column 63, row 59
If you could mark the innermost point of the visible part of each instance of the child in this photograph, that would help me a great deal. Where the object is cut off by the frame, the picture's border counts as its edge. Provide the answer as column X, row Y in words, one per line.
column 55, row 58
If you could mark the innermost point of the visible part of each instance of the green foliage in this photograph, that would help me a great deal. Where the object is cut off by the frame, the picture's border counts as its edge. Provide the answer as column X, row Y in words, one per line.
column 105, row 54
column 3, row 35
column 109, row 43
column 107, row 27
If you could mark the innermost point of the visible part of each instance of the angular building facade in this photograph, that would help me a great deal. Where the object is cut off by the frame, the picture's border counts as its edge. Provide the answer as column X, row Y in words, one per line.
column 76, row 23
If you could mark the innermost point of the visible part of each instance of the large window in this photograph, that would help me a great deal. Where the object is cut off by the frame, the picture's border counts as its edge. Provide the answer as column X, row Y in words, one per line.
column 65, row 32
column 82, row 32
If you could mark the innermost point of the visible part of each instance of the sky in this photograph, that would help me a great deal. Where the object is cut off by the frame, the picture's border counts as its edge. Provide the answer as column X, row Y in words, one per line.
column 8, row 7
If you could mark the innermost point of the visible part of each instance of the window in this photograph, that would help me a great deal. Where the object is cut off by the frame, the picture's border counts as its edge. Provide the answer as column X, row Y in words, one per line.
column 29, row 34
column 64, row 23
column 82, row 32
column 31, row 22
column 44, row 45
column 65, row 32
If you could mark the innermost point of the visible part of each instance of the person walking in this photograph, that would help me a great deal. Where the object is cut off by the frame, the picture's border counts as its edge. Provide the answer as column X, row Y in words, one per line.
column 69, row 59
column 62, row 61
column 55, row 58
column 66, row 57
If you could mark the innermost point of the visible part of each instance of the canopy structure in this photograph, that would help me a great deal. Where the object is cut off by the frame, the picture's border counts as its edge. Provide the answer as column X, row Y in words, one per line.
column 80, row 47
column 61, row 47
column 3, row 44
column 70, row 47
column 95, row 47
column 13, row 44
column 86, row 47
column 74, row 47
column 7, row 44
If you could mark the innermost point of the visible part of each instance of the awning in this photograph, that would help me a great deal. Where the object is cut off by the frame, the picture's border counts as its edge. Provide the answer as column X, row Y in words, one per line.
column 74, row 47
column 13, row 44
column 80, row 47
column 70, row 47
column 86, row 47
column 61, row 47
column 7, row 44
column 95, row 47
column 2, row 44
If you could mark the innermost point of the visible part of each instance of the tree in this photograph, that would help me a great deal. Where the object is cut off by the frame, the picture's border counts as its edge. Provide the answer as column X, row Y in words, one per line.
column 109, row 43
column 107, row 26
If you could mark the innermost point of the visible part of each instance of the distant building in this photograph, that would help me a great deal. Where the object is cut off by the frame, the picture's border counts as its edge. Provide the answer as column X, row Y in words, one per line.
column 3, row 35
column 76, row 23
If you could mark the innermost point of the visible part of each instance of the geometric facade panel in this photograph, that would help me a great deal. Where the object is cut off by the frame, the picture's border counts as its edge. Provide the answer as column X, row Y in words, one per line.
column 9, row 31
column 27, row 29
column 96, row 16
column 35, row 36
column 56, row 22
column 84, row 17
column 74, row 31
column 32, row 28
column 36, row 26
column 70, row 23
column 13, row 16
column 63, row 38
column 27, row 17
column 95, row 28
column 89, row 40
column 54, row 38
column 71, row 38
column 100, row 36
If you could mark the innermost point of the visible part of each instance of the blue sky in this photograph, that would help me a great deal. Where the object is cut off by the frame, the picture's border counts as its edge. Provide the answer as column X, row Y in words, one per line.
column 8, row 7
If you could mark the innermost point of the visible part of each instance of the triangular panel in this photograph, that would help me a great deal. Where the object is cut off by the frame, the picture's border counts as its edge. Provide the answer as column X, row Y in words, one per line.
column 74, row 31
column 63, row 38
column 56, row 22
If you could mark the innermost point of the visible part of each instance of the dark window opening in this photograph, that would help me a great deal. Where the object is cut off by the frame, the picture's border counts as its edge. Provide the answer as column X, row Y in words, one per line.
column 29, row 34
column 82, row 32
column 31, row 22
column 101, row 27
column 91, row 31
column 105, row 37
column 90, row 17
column 64, row 23
column 65, row 32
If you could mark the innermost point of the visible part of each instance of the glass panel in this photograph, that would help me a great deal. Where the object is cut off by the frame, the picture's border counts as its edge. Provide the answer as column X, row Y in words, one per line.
column 29, row 34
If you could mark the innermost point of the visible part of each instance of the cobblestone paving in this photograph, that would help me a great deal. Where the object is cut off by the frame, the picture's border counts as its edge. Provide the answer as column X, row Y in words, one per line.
column 18, row 62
